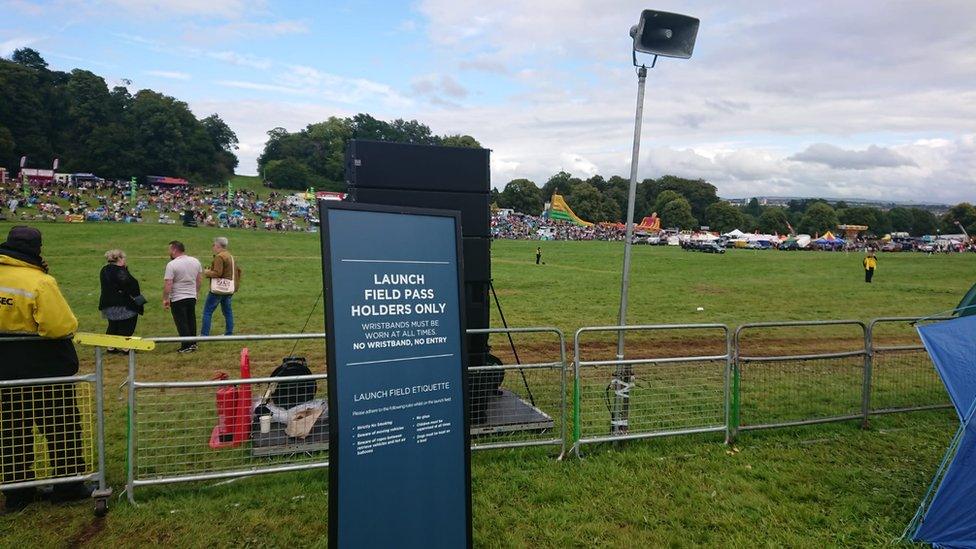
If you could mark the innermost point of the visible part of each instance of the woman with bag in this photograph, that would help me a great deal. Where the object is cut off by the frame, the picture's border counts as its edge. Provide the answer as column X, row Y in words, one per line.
column 224, row 275
column 121, row 301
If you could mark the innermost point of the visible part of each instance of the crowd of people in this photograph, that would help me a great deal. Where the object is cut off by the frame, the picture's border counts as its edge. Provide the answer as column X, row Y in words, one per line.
column 31, row 304
column 520, row 226
column 100, row 200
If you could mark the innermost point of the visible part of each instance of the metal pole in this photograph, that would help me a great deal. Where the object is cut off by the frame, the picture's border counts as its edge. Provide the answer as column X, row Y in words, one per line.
column 131, row 446
column 868, row 375
column 623, row 375
column 100, row 416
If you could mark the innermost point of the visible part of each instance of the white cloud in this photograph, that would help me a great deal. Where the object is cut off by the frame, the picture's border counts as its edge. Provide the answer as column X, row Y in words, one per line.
column 7, row 47
column 242, row 59
column 822, row 81
column 229, row 9
column 843, row 159
column 334, row 87
column 172, row 75
column 259, row 86
column 438, row 89
column 578, row 165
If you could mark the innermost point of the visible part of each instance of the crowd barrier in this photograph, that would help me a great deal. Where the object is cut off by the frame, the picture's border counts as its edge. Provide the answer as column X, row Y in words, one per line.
column 52, row 430
column 178, row 432
column 799, row 387
column 651, row 393
column 719, row 381
column 902, row 376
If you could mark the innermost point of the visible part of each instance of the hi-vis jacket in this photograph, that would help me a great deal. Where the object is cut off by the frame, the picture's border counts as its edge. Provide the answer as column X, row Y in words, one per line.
column 31, row 304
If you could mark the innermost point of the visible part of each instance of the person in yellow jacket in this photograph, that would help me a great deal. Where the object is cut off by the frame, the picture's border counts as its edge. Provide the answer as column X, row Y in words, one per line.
column 31, row 304
column 870, row 264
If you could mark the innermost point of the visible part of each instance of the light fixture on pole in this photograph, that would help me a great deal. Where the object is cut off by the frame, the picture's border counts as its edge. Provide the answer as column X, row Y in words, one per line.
column 658, row 33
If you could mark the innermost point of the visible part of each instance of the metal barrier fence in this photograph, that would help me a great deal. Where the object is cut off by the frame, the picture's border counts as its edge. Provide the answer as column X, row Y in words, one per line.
column 651, row 396
column 52, row 430
column 902, row 376
column 802, row 388
column 183, row 431
column 519, row 404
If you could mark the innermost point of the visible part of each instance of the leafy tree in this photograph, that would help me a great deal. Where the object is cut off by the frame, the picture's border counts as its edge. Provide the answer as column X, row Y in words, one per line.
column 875, row 219
column 818, row 219
column 561, row 183
column 749, row 223
column 6, row 143
column 900, row 219
column 647, row 191
column 699, row 193
column 591, row 205
column 494, row 196
column 663, row 198
column 774, row 221
column 923, row 222
column 74, row 116
column 677, row 213
column 522, row 196
column 322, row 146
column 465, row 141
column 753, row 208
column 965, row 214
column 723, row 217
column 288, row 174
column 29, row 58
column 617, row 189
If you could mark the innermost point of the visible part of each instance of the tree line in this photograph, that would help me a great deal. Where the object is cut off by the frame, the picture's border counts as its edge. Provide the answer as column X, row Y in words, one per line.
column 74, row 116
column 691, row 203
column 315, row 156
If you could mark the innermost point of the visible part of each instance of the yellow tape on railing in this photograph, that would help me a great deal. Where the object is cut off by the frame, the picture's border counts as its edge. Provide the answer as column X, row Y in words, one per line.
column 118, row 342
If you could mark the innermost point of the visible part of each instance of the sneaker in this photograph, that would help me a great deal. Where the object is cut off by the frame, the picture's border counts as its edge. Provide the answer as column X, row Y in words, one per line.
column 189, row 349
column 18, row 499
column 72, row 491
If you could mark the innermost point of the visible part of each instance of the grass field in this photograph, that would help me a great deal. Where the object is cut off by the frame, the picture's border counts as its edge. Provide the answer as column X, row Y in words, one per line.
column 813, row 486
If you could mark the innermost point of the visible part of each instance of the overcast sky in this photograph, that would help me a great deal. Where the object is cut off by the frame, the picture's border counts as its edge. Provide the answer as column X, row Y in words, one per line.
column 873, row 99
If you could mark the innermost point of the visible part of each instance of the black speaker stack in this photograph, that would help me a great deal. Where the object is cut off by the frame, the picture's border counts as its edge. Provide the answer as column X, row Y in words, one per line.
column 447, row 178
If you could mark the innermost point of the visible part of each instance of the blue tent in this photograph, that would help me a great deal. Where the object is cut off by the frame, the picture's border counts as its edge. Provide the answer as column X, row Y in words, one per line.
column 947, row 515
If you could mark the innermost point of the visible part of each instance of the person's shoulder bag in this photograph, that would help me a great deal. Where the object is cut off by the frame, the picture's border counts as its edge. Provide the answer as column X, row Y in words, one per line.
column 224, row 286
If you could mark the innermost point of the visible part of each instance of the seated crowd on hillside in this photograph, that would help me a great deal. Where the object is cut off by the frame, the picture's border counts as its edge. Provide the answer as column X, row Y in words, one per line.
column 526, row 227
column 110, row 201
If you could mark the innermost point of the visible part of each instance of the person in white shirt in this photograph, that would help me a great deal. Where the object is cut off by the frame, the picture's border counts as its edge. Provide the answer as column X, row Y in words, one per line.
column 181, row 286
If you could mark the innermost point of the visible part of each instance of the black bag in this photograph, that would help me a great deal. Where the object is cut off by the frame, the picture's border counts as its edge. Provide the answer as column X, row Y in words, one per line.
column 288, row 394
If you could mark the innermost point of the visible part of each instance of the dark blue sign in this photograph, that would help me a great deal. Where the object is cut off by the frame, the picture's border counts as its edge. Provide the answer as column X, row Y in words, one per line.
column 399, row 471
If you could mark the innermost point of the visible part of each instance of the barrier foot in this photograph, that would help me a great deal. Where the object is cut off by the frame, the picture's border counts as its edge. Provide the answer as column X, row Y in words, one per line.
column 101, row 498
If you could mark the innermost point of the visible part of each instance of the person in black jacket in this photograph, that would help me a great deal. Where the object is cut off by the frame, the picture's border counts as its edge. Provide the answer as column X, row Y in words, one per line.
column 121, row 301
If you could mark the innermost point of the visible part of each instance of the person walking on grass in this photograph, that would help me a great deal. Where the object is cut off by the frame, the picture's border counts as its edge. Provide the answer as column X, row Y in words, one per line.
column 181, row 286
column 538, row 254
column 121, row 301
column 224, row 275
column 870, row 264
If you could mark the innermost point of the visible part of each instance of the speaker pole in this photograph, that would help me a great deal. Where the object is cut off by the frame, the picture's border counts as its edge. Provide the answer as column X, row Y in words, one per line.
column 623, row 375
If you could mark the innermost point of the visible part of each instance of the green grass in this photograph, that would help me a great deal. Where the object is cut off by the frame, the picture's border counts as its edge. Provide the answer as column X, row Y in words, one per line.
column 824, row 485
column 250, row 183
